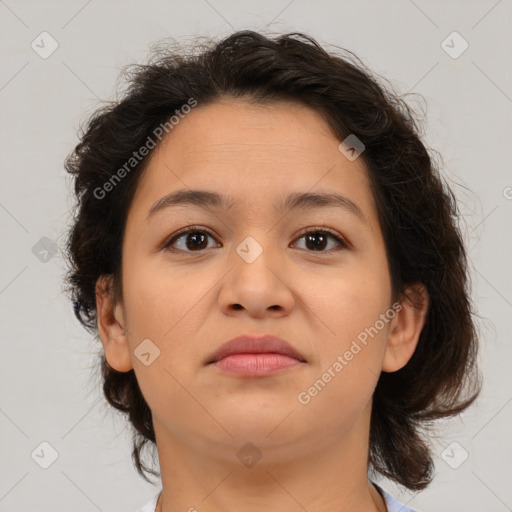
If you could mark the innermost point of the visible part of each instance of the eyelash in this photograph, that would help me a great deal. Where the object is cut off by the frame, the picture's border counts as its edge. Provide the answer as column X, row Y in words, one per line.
column 199, row 229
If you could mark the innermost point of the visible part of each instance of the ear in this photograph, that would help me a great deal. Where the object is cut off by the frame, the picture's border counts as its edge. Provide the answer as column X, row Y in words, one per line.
column 111, row 326
column 405, row 328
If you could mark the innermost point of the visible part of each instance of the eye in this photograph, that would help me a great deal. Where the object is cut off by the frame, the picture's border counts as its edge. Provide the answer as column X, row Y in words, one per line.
column 195, row 239
column 317, row 239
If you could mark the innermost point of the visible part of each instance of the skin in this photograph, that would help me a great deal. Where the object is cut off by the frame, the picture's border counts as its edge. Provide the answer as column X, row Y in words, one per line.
column 313, row 456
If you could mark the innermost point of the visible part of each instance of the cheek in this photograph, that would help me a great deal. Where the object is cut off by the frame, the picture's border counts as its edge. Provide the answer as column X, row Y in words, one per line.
column 162, row 306
column 346, row 302
column 351, row 346
column 348, row 347
column 166, row 306
column 158, row 297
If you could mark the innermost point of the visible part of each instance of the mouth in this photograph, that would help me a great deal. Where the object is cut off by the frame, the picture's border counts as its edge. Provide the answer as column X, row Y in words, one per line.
column 256, row 356
column 256, row 365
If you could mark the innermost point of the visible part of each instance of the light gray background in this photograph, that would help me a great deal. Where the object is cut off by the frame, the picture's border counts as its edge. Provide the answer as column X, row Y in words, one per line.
column 48, row 392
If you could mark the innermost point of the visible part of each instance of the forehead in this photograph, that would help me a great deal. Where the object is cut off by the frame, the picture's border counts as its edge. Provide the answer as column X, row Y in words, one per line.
column 254, row 154
column 234, row 129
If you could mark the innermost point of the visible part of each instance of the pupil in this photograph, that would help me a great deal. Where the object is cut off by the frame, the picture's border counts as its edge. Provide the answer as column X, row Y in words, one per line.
column 193, row 236
column 317, row 246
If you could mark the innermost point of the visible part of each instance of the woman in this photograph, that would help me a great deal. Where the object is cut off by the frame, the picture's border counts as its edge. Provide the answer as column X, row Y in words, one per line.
column 272, row 263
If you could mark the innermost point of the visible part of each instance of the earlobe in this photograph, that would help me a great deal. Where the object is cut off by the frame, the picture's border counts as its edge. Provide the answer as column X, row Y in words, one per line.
column 405, row 328
column 111, row 326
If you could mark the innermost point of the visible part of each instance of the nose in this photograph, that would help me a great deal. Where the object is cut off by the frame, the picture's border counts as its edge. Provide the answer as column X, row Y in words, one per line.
column 258, row 284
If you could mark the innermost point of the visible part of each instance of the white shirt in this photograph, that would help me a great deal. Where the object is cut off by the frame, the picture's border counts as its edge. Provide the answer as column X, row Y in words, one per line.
column 391, row 503
column 150, row 506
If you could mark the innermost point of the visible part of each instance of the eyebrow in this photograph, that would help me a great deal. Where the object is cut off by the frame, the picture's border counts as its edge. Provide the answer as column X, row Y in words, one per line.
column 207, row 199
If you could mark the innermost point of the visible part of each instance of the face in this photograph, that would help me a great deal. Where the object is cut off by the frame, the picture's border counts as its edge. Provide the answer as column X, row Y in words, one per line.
column 314, row 275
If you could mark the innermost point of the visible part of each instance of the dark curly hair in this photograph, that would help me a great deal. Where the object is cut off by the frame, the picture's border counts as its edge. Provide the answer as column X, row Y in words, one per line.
column 417, row 214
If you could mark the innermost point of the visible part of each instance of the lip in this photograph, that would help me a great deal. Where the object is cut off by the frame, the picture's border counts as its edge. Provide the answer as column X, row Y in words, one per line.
column 256, row 344
column 255, row 365
column 255, row 355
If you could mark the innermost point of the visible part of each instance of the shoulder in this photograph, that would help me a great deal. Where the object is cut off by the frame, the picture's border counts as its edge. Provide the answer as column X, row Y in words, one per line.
column 392, row 504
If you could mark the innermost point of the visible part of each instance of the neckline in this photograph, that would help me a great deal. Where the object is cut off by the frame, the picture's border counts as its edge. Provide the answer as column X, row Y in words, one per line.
column 152, row 505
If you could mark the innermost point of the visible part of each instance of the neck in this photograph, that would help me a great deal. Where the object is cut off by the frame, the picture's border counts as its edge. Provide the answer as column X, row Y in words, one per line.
column 324, row 474
column 377, row 504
